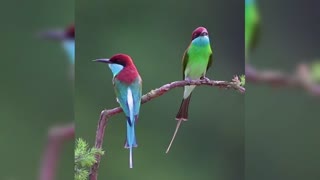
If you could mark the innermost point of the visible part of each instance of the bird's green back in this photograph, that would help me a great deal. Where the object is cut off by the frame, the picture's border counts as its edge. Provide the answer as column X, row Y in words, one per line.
column 121, row 90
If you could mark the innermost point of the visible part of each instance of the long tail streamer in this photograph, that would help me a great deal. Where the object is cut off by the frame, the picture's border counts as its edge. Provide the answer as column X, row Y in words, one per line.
column 174, row 135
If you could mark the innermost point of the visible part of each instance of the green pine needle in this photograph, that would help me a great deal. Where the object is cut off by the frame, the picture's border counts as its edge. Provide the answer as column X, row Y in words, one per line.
column 315, row 71
column 84, row 159
column 242, row 80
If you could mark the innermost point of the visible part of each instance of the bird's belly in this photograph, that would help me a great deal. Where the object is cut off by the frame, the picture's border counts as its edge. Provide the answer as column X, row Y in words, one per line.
column 195, row 70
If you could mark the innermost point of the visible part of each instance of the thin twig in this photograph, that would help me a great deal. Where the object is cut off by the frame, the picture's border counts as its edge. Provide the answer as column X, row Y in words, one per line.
column 56, row 136
column 106, row 114
column 300, row 79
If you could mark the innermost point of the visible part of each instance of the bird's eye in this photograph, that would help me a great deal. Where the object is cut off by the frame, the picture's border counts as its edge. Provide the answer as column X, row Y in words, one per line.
column 204, row 33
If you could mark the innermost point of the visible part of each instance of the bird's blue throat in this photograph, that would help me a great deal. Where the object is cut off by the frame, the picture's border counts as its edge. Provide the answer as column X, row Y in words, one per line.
column 115, row 68
column 69, row 47
column 201, row 41
column 249, row 2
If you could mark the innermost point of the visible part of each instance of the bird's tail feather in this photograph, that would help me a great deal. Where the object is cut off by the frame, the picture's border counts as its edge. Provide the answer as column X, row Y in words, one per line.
column 130, row 142
column 181, row 116
column 174, row 135
column 130, row 158
column 183, row 110
column 131, row 137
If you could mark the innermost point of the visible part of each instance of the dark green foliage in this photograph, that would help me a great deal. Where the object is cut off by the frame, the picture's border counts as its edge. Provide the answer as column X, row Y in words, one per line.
column 84, row 159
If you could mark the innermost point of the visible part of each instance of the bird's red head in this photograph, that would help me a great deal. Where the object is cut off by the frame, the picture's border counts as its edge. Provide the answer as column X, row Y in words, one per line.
column 121, row 59
column 200, row 31
column 129, row 73
column 69, row 32
column 59, row 34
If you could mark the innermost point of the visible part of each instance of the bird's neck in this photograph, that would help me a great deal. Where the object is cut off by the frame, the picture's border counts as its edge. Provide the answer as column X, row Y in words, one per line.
column 128, row 74
column 201, row 41
column 69, row 47
column 249, row 2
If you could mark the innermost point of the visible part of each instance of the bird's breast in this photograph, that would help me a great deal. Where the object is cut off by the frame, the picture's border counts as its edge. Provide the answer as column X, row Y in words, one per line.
column 128, row 75
column 198, row 61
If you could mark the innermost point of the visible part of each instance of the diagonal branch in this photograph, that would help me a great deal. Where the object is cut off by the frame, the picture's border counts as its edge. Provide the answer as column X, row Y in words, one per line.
column 57, row 135
column 300, row 79
column 106, row 114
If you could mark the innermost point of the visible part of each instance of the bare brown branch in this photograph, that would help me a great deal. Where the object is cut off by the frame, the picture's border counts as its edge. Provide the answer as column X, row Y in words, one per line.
column 106, row 114
column 299, row 79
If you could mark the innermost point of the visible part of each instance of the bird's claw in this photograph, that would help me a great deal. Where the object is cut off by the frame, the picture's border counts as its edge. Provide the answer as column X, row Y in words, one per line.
column 205, row 79
column 188, row 80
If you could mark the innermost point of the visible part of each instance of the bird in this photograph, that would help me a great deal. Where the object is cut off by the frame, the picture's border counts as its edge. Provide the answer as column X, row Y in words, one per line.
column 252, row 26
column 128, row 88
column 67, row 38
column 196, row 60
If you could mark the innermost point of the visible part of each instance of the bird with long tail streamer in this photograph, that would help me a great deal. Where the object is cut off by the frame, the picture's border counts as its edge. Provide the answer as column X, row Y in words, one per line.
column 128, row 88
column 195, row 62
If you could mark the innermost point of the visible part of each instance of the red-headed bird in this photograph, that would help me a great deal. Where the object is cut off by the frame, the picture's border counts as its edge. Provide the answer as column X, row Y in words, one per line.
column 195, row 62
column 66, row 37
column 128, row 88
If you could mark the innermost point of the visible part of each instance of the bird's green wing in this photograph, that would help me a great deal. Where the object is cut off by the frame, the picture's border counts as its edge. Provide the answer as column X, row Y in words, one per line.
column 255, row 37
column 136, row 88
column 185, row 60
column 121, row 91
column 209, row 62
column 252, row 26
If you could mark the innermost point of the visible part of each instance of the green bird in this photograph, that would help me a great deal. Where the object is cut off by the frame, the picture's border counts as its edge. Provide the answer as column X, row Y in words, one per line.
column 252, row 26
column 195, row 62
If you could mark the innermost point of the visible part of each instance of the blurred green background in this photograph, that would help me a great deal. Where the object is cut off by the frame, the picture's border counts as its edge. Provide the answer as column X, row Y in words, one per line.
column 282, row 124
column 155, row 34
column 36, row 91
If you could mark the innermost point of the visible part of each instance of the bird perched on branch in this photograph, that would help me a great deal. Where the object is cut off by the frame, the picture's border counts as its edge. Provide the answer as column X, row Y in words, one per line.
column 195, row 62
column 128, row 88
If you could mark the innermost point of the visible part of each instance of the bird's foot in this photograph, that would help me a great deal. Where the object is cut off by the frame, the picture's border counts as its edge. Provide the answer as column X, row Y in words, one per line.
column 205, row 79
column 188, row 79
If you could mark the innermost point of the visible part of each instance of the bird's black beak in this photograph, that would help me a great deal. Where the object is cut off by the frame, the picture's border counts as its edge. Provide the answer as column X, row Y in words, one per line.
column 103, row 61
column 204, row 33
column 52, row 35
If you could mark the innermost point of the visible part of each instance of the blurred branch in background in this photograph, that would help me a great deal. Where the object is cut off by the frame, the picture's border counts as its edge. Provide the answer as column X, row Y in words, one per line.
column 58, row 134
column 236, row 84
column 304, row 77
column 56, row 137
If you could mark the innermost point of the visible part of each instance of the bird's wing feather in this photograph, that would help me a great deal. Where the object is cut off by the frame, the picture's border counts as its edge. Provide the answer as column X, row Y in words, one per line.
column 185, row 60
column 123, row 98
column 121, row 91
column 136, row 88
column 255, row 37
column 210, row 62
column 130, row 104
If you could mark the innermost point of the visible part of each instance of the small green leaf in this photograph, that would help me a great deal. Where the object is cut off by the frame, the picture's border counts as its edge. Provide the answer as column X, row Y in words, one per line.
column 315, row 71
column 242, row 80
